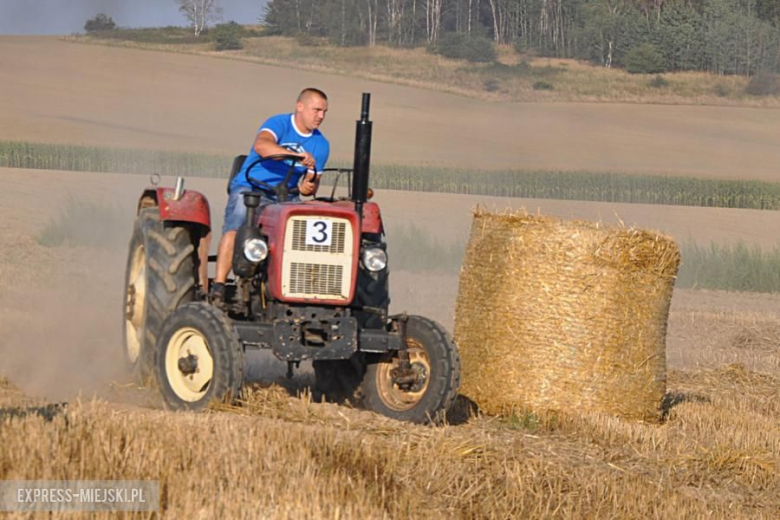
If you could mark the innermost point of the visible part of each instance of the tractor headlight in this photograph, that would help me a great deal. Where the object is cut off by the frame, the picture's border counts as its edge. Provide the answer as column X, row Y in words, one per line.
column 374, row 259
column 255, row 250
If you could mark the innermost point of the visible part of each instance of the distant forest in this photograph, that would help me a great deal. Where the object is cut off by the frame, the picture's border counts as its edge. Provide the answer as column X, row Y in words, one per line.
column 719, row 36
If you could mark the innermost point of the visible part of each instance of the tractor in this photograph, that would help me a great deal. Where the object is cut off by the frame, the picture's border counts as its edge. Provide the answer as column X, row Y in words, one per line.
column 311, row 283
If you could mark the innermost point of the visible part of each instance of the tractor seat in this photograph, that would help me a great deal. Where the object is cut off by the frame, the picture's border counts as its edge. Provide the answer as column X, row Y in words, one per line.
column 238, row 162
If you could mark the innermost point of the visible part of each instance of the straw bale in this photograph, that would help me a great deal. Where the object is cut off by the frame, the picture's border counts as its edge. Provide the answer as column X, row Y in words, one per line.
column 560, row 315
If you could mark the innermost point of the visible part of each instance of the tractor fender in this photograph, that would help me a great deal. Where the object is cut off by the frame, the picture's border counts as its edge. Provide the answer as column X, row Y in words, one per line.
column 372, row 218
column 191, row 207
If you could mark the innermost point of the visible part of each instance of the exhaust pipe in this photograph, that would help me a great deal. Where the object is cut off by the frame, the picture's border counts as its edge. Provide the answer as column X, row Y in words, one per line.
column 362, row 156
column 179, row 189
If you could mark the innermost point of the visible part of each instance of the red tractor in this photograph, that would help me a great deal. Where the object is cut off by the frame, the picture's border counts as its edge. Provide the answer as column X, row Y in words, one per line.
column 311, row 282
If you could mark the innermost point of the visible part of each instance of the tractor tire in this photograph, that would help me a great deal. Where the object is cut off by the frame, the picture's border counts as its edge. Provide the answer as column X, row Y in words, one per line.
column 160, row 276
column 432, row 353
column 199, row 358
column 337, row 381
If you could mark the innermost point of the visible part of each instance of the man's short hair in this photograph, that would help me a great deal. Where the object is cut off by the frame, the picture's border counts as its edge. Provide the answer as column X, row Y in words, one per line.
column 305, row 93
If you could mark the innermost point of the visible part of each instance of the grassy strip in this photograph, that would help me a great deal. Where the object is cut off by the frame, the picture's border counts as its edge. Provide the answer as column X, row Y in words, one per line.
column 151, row 35
column 511, row 78
column 735, row 267
column 727, row 267
column 584, row 186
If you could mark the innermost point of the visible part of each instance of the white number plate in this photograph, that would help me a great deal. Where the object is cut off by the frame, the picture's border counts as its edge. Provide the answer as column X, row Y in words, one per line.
column 319, row 232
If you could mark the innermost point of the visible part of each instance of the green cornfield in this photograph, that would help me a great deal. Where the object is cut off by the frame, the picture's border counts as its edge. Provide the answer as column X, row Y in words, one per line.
column 583, row 186
column 734, row 267
column 43, row 156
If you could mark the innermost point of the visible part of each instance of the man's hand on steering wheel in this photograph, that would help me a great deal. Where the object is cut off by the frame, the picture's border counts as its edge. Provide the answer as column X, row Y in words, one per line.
column 307, row 160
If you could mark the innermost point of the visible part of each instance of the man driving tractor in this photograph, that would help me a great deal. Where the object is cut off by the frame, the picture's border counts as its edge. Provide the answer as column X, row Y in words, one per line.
column 311, row 282
column 294, row 133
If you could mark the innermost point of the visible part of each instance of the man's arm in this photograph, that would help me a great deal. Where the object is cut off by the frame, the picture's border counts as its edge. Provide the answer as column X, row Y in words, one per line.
column 266, row 145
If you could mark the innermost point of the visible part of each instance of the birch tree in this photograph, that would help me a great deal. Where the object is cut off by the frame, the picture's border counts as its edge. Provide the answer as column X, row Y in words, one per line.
column 200, row 12
column 373, row 21
column 433, row 9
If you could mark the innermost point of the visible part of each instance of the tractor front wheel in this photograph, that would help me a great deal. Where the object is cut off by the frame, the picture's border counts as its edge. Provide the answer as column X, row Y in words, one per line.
column 199, row 358
column 435, row 362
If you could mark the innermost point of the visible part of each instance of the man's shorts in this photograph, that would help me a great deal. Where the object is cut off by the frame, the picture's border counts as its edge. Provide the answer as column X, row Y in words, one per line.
column 235, row 212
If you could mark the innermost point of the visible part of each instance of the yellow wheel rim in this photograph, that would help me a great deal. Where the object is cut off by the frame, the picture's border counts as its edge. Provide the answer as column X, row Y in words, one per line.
column 191, row 346
column 392, row 395
column 135, row 297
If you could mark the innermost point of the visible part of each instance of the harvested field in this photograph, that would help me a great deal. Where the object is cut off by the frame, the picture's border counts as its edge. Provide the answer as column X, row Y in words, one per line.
column 285, row 457
column 716, row 453
column 54, row 91
column 282, row 455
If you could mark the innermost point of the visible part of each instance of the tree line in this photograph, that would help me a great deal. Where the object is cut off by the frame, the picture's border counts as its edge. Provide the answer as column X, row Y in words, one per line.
column 719, row 36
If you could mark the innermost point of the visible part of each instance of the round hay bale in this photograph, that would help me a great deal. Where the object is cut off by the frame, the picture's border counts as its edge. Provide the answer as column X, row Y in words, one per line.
column 570, row 316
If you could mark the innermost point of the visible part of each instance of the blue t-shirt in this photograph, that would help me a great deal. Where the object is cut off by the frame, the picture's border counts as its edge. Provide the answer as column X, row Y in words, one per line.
column 287, row 135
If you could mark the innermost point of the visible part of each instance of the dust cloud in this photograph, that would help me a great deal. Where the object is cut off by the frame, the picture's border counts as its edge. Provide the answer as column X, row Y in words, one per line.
column 61, row 327
column 61, row 304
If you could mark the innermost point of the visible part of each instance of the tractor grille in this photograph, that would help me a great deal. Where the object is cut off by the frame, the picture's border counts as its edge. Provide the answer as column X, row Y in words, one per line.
column 316, row 279
column 337, row 242
column 317, row 271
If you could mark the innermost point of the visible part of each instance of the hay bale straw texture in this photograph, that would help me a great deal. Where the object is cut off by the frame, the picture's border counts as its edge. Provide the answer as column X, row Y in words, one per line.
column 568, row 316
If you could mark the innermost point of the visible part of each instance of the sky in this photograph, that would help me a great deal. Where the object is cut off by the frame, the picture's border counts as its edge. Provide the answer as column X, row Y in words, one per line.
column 68, row 16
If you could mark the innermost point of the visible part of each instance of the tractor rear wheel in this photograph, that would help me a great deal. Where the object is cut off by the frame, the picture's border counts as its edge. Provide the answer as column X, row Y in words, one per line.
column 434, row 358
column 160, row 276
column 199, row 358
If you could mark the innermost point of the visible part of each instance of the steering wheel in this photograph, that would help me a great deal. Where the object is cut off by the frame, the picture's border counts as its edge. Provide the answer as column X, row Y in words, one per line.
column 281, row 191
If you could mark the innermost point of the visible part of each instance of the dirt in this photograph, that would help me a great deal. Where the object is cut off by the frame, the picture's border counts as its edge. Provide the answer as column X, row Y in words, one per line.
column 60, row 319
column 55, row 91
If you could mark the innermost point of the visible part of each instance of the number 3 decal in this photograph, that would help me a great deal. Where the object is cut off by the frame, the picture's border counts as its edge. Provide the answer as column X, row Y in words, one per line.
column 322, row 236
column 318, row 232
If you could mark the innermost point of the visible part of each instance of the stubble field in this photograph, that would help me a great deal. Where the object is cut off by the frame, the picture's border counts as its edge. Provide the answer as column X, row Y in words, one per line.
column 284, row 456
